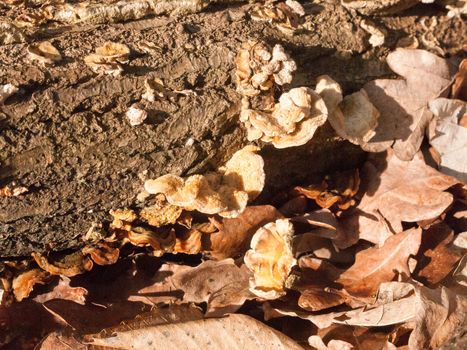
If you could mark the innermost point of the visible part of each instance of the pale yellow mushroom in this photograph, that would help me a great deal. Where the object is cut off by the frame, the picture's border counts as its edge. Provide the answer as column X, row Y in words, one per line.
column 270, row 259
column 225, row 192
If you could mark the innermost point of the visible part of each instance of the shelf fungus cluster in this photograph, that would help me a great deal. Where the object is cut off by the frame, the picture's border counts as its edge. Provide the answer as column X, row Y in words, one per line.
column 271, row 259
column 286, row 16
column 225, row 192
column 109, row 58
column 353, row 117
column 300, row 111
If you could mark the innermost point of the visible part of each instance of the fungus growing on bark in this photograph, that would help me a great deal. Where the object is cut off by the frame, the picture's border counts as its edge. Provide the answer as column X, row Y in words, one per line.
column 270, row 259
column 225, row 192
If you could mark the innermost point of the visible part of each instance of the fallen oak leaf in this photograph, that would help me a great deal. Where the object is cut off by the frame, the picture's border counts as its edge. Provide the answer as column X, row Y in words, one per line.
column 459, row 86
column 326, row 226
column 234, row 331
column 396, row 191
column 63, row 291
column 403, row 103
column 316, row 342
column 319, row 319
column 436, row 259
column 434, row 314
column 234, row 235
column 220, row 284
column 449, row 137
column 93, row 318
column 374, row 266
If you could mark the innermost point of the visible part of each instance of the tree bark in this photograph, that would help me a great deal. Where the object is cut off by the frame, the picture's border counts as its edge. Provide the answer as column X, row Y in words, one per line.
column 65, row 137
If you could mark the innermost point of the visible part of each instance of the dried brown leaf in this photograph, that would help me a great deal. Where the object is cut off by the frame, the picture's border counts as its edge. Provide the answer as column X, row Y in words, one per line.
column 403, row 103
column 374, row 266
column 234, row 235
column 63, row 291
column 397, row 191
column 436, row 259
column 449, row 137
column 459, row 87
column 239, row 331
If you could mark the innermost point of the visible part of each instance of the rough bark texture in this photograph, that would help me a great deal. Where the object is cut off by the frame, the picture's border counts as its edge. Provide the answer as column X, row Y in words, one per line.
column 65, row 136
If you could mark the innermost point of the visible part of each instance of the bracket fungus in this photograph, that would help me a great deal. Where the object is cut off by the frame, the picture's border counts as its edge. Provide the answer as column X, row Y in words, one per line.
column 108, row 58
column 225, row 192
column 24, row 283
column 258, row 68
column 271, row 259
column 44, row 53
column 353, row 117
column 285, row 16
column 293, row 121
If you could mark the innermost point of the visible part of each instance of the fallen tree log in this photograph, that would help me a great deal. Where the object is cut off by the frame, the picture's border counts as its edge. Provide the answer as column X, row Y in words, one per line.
column 65, row 138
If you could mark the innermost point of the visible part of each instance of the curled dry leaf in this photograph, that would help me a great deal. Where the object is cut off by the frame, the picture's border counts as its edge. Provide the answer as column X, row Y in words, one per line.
column 258, row 68
column 64, row 291
column 293, row 121
column 212, row 333
column 353, row 117
column 374, row 266
column 339, row 189
column 44, row 53
column 436, row 258
column 6, row 91
column 108, row 58
column 315, row 284
column 449, row 137
column 69, row 265
column 24, row 283
column 234, row 235
column 10, row 34
column 316, row 342
column 271, row 259
column 320, row 320
column 396, row 191
column 136, row 115
column 222, row 285
column 225, row 192
column 403, row 103
column 284, row 15
column 459, row 87
column 435, row 315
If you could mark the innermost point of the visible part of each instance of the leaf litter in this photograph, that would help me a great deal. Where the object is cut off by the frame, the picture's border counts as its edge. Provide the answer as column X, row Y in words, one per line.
column 377, row 252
